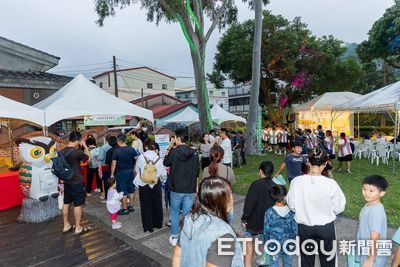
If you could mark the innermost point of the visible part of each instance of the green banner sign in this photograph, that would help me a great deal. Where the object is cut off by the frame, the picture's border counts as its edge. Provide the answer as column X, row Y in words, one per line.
column 101, row 120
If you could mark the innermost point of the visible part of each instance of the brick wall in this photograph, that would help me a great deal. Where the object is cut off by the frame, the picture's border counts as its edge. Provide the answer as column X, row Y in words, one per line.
column 13, row 93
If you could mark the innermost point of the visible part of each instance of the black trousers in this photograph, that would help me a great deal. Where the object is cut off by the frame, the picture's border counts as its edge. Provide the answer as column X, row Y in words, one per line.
column 317, row 233
column 243, row 155
column 90, row 173
column 151, row 206
column 106, row 175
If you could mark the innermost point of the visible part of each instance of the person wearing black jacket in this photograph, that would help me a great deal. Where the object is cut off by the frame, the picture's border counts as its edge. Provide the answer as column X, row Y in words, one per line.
column 182, row 181
column 258, row 200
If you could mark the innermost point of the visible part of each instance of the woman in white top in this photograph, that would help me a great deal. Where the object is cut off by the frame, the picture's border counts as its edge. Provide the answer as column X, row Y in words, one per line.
column 136, row 142
column 316, row 201
column 150, row 194
column 344, row 152
column 329, row 142
column 204, row 149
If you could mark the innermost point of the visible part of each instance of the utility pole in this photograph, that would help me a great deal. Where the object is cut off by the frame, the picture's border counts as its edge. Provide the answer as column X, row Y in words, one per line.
column 115, row 77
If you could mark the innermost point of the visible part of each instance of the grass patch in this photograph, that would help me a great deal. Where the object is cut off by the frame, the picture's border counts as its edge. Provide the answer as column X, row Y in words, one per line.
column 350, row 183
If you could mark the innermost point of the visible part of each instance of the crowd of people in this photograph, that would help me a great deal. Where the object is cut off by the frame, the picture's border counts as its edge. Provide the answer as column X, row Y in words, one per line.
column 281, row 140
column 197, row 183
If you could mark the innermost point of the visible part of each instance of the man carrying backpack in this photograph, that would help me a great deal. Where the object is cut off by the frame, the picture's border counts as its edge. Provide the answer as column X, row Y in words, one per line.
column 74, row 188
column 150, row 172
column 182, row 181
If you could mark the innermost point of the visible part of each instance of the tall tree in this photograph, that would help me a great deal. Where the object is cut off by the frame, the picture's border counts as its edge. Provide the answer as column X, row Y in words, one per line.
column 191, row 16
column 294, row 63
column 384, row 39
column 251, row 133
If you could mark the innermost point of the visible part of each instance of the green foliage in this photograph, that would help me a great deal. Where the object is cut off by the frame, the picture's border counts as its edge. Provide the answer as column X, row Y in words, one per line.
column 129, row 140
column 384, row 38
column 288, row 49
column 372, row 78
column 387, row 130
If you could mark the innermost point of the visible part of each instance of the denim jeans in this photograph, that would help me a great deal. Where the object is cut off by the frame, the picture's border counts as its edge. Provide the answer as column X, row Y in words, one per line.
column 178, row 201
column 230, row 217
column 286, row 260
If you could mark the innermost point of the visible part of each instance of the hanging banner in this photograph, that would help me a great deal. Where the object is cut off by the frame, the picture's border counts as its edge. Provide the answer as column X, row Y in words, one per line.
column 103, row 120
column 163, row 142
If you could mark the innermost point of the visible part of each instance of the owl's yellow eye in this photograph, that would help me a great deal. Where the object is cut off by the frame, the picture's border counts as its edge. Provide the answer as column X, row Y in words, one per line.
column 53, row 152
column 37, row 152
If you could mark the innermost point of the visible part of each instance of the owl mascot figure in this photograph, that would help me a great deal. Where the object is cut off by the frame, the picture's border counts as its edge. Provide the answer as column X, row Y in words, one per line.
column 37, row 182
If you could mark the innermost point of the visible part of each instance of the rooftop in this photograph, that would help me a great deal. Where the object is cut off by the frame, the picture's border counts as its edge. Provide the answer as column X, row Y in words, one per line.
column 138, row 68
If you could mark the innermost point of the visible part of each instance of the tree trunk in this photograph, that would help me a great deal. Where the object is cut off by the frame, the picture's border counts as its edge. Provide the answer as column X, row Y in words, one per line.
column 201, row 90
column 251, row 133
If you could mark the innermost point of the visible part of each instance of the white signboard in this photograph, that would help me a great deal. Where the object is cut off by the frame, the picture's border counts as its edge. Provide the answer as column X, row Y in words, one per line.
column 163, row 142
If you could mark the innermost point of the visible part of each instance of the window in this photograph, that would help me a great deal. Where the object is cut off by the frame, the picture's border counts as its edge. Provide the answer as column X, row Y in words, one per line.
column 211, row 93
column 223, row 93
column 164, row 87
column 149, row 86
column 101, row 84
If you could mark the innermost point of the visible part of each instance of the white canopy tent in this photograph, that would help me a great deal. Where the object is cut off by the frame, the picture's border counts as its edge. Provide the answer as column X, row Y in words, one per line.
column 220, row 115
column 80, row 97
column 14, row 114
column 385, row 99
column 11, row 109
column 321, row 111
column 187, row 116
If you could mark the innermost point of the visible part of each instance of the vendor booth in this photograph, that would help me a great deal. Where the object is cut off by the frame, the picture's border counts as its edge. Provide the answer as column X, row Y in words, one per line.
column 80, row 97
column 13, row 113
column 385, row 99
column 320, row 111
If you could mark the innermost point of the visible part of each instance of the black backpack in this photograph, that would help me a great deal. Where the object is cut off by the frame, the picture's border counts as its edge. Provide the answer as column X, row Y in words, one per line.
column 61, row 167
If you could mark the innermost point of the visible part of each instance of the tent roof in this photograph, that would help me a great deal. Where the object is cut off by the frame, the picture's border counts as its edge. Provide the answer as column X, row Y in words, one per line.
column 81, row 97
column 220, row 115
column 187, row 116
column 386, row 98
column 15, row 110
column 328, row 101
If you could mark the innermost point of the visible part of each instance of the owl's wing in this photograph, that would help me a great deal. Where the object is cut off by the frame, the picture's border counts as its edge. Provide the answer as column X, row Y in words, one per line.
column 25, row 177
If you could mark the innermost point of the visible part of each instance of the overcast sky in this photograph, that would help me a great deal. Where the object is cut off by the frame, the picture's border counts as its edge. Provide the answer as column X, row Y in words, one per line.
column 67, row 29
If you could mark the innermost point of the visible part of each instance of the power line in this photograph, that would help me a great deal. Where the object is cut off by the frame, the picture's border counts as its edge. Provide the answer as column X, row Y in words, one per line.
column 83, row 70
column 148, row 78
column 85, row 65
column 156, row 68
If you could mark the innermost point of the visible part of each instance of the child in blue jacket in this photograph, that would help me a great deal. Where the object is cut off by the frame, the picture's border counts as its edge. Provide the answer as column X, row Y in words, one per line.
column 279, row 225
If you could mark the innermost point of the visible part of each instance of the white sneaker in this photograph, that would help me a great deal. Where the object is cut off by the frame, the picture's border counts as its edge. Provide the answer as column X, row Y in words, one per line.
column 173, row 241
column 116, row 225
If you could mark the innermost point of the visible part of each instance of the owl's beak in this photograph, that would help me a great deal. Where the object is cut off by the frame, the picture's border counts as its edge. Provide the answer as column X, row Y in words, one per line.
column 47, row 158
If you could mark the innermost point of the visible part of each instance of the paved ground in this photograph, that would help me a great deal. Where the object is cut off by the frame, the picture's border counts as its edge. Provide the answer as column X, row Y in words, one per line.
column 156, row 246
column 45, row 245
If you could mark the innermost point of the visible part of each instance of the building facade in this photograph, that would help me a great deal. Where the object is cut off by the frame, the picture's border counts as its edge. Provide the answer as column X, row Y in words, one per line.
column 216, row 97
column 133, row 81
column 239, row 100
column 23, row 75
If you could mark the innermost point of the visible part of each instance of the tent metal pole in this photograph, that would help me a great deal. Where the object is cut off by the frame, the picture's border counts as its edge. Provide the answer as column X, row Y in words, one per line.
column 11, row 144
column 395, row 137
column 358, row 125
